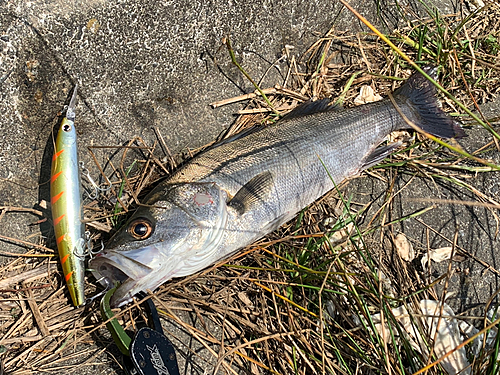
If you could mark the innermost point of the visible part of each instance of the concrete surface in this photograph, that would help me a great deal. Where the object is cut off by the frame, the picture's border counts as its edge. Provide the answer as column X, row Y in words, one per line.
column 144, row 64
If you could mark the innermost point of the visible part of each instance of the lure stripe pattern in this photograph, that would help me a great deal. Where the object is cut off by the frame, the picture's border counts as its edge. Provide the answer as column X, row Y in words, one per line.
column 55, row 198
column 54, row 177
column 59, row 239
column 58, row 220
column 56, row 155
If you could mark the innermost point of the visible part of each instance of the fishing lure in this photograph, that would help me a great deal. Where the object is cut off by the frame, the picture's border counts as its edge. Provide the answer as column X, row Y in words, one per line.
column 65, row 198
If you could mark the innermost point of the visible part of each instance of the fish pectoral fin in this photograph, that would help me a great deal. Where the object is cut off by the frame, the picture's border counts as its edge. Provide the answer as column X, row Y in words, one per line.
column 252, row 193
column 378, row 155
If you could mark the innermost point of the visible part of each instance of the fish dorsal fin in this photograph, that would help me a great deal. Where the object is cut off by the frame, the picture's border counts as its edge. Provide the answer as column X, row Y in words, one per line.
column 236, row 136
column 310, row 107
column 378, row 155
column 252, row 193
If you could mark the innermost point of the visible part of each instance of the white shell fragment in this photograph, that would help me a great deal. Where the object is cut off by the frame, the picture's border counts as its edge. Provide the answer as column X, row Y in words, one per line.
column 404, row 247
column 439, row 323
column 477, row 344
column 475, row 4
column 401, row 315
column 366, row 95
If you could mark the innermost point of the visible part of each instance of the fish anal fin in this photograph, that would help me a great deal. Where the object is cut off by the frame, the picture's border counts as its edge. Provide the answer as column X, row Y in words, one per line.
column 252, row 193
column 378, row 155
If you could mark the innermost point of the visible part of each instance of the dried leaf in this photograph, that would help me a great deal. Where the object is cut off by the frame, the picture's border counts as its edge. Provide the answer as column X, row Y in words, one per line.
column 404, row 247
column 447, row 336
column 366, row 95
column 439, row 255
column 244, row 298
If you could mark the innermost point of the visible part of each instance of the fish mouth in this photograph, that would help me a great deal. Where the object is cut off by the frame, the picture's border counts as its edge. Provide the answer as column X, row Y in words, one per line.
column 108, row 273
column 128, row 268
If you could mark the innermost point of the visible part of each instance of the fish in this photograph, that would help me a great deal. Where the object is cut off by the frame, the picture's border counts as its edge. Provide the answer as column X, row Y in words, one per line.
column 243, row 188
column 66, row 205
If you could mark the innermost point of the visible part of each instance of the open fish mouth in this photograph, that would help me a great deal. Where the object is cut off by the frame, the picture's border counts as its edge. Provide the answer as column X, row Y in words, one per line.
column 126, row 268
column 107, row 273
column 179, row 236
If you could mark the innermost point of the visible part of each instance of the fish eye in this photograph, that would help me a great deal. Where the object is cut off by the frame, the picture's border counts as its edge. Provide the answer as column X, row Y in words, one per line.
column 140, row 229
column 66, row 127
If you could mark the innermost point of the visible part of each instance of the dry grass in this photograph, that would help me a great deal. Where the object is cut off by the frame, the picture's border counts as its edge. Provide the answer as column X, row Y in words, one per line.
column 300, row 300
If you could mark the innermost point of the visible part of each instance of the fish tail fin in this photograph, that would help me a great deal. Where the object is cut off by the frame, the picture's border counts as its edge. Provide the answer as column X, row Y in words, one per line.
column 420, row 94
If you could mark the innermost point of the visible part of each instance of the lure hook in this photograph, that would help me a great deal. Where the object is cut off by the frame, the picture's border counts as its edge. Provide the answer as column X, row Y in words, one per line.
column 97, row 189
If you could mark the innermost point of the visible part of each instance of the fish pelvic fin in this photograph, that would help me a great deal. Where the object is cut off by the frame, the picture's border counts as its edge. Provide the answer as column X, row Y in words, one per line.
column 420, row 94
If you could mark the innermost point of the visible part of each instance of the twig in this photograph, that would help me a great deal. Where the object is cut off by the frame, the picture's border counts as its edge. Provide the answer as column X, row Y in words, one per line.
column 30, row 245
column 21, row 209
column 454, row 201
column 30, row 275
column 36, row 313
column 25, row 289
column 24, row 339
column 240, row 98
column 251, row 111
column 165, row 148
